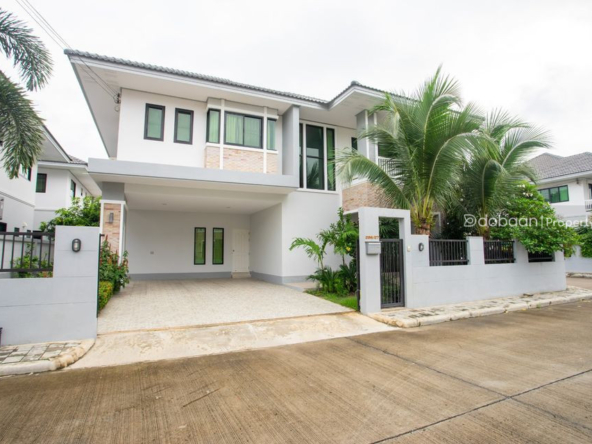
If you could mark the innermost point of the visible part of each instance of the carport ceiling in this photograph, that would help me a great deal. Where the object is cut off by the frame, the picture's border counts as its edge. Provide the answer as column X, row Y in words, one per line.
column 196, row 200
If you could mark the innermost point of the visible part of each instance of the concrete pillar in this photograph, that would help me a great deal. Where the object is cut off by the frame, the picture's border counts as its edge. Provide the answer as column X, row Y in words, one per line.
column 520, row 253
column 475, row 250
column 290, row 152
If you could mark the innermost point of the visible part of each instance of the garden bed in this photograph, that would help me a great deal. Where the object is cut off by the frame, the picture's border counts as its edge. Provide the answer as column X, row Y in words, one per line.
column 347, row 300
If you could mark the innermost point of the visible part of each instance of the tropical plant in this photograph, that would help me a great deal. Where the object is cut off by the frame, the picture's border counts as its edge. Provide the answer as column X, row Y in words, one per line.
column 342, row 235
column 20, row 127
column 105, row 293
column 388, row 228
column 425, row 140
column 29, row 260
column 349, row 275
column 585, row 240
column 329, row 281
column 532, row 221
column 497, row 164
column 85, row 212
column 111, row 268
column 314, row 250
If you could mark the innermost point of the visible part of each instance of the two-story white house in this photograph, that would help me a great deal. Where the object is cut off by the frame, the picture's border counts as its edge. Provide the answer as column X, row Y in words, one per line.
column 60, row 177
column 37, row 193
column 207, row 177
column 566, row 183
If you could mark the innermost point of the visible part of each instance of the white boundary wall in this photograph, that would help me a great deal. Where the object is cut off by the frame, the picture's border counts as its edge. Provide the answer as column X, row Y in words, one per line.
column 577, row 263
column 61, row 308
column 426, row 286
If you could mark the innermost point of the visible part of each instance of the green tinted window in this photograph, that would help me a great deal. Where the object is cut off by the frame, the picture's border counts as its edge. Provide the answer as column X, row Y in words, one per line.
column 563, row 194
column 41, row 183
column 218, row 246
column 243, row 130
column 154, row 122
column 183, row 126
column 315, row 168
column 354, row 143
column 253, row 132
column 331, row 158
column 214, row 126
column 382, row 151
column 556, row 194
column 199, row 250
column 271, row 134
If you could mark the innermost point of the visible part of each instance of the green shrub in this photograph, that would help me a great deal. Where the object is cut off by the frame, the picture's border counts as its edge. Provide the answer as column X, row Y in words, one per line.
column 105, row 293
column 31, row 261
column 328, row 280
column 111, row 269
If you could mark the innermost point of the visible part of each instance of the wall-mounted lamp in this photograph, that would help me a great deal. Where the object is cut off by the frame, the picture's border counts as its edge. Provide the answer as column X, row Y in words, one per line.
column 76, row 245
column 420, row 247
column 111, row 217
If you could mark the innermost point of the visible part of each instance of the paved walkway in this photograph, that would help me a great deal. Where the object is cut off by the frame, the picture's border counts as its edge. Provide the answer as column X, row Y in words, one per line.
column 148, row 305
column 525, row 376
column 415, row 317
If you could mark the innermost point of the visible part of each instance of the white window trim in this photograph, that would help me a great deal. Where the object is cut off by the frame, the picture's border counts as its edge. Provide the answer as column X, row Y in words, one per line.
column 325, row 161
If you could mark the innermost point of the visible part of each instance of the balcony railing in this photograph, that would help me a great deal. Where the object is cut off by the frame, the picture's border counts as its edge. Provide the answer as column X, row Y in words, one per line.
column 588, row 204
column 386, row 165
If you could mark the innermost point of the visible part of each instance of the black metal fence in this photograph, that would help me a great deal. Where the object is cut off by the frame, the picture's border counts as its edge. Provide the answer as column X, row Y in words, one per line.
column 448, row 252
column 391, row 273
column 26, row 253
column 498, row 251
column 540, row 257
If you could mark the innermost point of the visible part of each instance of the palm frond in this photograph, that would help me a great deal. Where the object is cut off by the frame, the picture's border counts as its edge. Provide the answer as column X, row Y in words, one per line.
column 27, row 51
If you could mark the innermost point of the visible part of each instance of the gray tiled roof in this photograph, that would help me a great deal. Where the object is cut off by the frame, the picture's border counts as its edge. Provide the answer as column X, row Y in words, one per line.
column 76, row 160
column 102, row 58
column 548, row 165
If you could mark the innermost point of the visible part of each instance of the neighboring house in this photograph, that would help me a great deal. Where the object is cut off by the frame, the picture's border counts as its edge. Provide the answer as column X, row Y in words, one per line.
column 207, row 177
column 566, row 183
column 60, row 177
column 34, row 196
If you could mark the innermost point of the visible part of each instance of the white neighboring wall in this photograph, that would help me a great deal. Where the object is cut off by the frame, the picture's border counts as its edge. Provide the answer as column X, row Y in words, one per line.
column 576, row 263
column 57, row 194
column 19, row 200
column 575, row 208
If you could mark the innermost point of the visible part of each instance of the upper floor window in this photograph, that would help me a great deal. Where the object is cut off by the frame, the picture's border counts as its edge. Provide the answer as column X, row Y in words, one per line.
column 556, row 194
column 315, row 157
column 154, row 123
column 213, row 131
column 243, row 130
column 271, row 134
column 183, row 126
column 25, row 173
column 354, row 143
column 41, row 183
column 72, row 189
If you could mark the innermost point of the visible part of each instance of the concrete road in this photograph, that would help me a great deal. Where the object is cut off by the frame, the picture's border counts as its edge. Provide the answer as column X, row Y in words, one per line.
column 519, row 377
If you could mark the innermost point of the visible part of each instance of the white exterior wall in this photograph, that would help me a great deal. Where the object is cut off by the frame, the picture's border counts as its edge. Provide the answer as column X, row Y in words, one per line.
column 57, row 194
column 160, row 244
column 266, row 243
column 575, row 208
column 305, row 214
column 19, row 200
column 576, row 263
column 133, row 147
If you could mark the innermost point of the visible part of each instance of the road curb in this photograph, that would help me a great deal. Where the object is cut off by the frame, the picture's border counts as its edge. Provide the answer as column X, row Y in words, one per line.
column 47, row 365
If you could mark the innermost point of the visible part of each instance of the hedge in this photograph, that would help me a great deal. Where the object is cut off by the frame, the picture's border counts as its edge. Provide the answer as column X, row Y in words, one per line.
column 105, row 293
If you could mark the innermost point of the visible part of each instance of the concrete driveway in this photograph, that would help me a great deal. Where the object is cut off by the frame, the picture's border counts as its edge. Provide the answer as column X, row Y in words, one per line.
column 518, row 377
column 149, row 305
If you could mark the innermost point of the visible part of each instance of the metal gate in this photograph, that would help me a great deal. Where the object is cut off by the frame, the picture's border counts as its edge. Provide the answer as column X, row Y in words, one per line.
column 392, row 286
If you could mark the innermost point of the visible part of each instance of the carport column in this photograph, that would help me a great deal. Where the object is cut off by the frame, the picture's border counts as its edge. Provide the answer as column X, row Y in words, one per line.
column 366, row 147
column 113, row 210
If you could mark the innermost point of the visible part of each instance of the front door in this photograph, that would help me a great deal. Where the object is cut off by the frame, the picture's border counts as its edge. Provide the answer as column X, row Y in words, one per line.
column 240, row 251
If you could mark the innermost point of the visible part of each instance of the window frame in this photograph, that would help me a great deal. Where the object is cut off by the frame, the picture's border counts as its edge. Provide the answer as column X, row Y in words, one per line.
column 305, row 157
column 191, row 116
column 72, row 189
column 148, row 107
column 354, row 143
column 558, row 188
column 205, row 242
column 26, row 173
column 260, row 118
column 44, row 183
column 214, row 246
column 331, row 163
column 219, row 111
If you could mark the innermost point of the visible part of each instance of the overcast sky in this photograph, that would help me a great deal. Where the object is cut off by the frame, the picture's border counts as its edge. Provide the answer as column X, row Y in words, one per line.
column 529, row 57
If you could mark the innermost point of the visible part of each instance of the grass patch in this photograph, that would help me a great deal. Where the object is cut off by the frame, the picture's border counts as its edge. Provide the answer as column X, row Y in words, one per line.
column 349, row 300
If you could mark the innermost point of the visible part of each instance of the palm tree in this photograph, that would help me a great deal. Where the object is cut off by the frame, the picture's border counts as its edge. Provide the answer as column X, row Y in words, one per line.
column 425, row 138
column 21, row 133
column 497, row 165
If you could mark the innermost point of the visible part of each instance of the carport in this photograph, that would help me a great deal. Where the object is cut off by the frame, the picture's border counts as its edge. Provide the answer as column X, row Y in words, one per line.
column 165, row 304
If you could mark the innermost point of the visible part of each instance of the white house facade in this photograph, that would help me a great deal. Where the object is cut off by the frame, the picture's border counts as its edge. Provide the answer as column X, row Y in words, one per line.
column 566, row 183
column 211, row 178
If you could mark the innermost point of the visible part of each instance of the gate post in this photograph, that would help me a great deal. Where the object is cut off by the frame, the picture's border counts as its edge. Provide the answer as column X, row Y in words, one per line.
column 370, row 301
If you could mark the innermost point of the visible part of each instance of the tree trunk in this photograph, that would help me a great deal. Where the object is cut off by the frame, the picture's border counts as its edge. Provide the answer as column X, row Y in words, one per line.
column 423, row 228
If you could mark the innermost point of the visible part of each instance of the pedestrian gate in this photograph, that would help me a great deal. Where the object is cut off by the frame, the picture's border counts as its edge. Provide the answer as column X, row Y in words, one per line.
column 392, row 286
